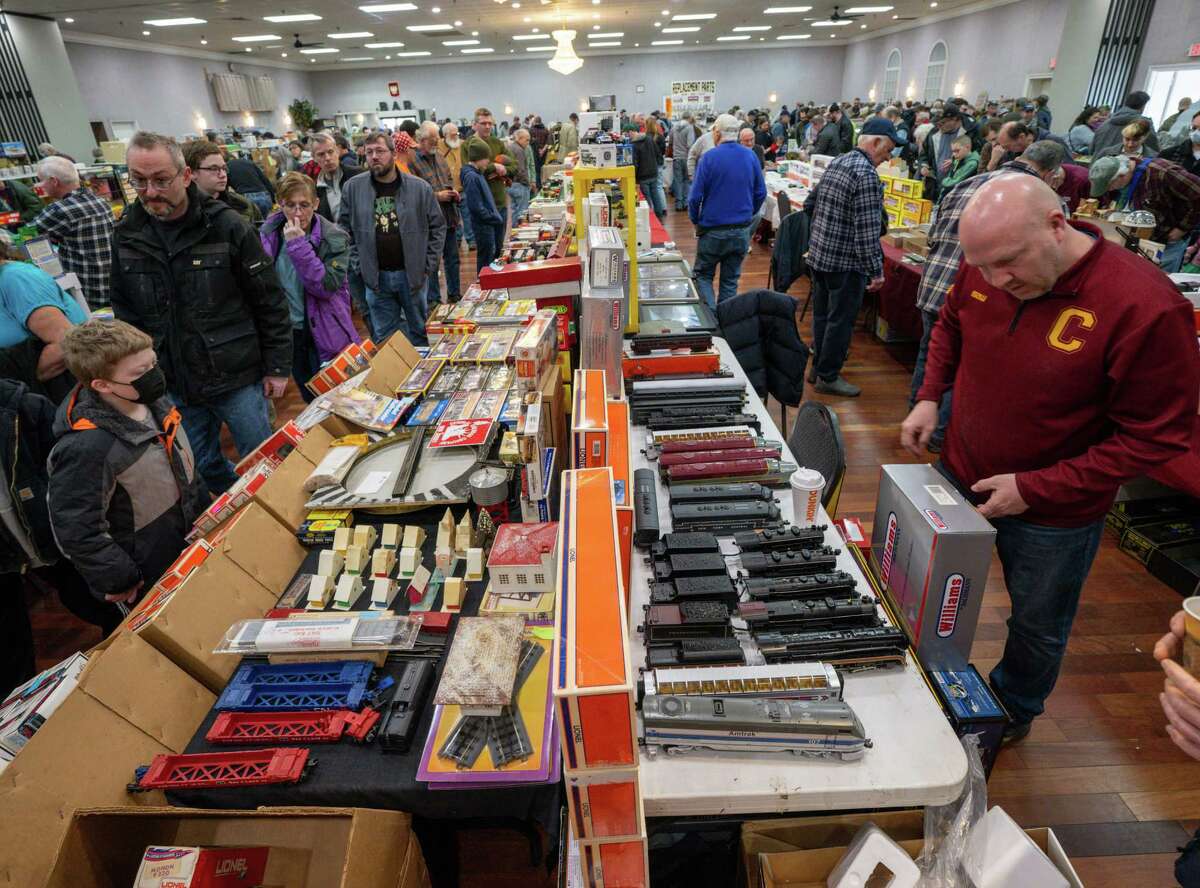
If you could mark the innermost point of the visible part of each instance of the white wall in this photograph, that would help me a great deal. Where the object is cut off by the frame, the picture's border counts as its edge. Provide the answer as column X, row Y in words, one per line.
column 44, row 58
column 164, row 92
column 993, row 51
column 743, row 78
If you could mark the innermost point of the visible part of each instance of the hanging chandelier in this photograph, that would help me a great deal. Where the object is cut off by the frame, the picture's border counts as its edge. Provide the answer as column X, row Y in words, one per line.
column 565, row 61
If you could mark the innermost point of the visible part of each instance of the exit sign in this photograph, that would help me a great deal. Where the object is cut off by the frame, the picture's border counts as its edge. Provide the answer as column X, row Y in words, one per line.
column 1194, row 50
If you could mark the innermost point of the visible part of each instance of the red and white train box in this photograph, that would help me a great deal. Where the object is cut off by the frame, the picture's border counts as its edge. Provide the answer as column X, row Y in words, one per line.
column 535, row 349
column 589, row 420
column 275, row 448
column 593, row 678
column 170, row 866
column 544, row 277
column 620, row 458
column 615, row 863
column 605, row 803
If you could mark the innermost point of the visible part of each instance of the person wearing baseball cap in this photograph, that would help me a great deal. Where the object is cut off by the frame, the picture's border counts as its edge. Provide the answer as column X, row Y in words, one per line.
column 845, row 257
column 1166, row 189
column 935, row 157
column 404, row 144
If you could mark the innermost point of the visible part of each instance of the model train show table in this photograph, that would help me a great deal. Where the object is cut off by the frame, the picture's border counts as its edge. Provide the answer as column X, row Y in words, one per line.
column 916, row 760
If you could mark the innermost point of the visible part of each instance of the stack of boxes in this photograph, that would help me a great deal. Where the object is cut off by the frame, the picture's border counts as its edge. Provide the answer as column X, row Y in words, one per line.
column 604, row 302
column 903, row 202
column 594, row 687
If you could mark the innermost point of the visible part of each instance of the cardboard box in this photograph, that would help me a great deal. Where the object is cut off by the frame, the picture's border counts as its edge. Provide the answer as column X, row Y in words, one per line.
column 283, row 492
column 1142, row 540
column 604, row 804
column 931, row 551
column 972, row 707
column 620, row 457
column 389, row 367
column 535, row 349
column 608, row 260
column 1134, row 512
column 254, row 558
column 615, row 863
column 1177, row 566
column 344, row 847
column 130, row 705
column 597, row 156
column 603, row 313
column 593, row 677
column 810, row 866
column 589, row 420
column 554, row 409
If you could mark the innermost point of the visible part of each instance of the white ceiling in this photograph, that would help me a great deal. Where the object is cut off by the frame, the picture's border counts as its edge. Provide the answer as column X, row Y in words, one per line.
column 493, row 24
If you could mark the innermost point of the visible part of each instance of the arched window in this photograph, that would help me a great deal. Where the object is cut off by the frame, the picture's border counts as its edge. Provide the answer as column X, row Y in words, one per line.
column 891, row 77
column 935, row 74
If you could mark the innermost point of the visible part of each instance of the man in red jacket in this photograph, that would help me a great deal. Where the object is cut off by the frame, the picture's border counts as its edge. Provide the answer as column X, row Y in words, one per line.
column 1075, row 368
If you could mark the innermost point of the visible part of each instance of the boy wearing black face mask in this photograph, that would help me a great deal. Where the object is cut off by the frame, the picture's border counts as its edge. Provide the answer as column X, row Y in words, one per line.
column 123, row 485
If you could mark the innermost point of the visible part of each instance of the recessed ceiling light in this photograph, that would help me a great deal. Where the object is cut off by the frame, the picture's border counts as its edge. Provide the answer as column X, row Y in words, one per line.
column 474, row 33
column 145, row 33
column 637, row 44
column 866, row 10
column 457, row 24
column 257, row 38
column 477, row 50
column 605, row 43
column 314, row 61
column 249, row 49
column 784, row 10
column 283, row 55
column 322, row 51
column 69, row 21
column 387, row 56
column 527, row 19
column 169, row 23
column 549, row 47
column 595, row 2
column 690, row 30
column 864, row 27
column 531, row 37
column 203, row 42
column 658, row 24
column 360, row 59
column 933, row 5
column 348, row 35
column 895, row 17
column 298, row 17
column 460, row 43
column 516, row 6
column 605, row 34
column 694, row 17
column 389, row 7
column 666, row 12
column 665, row 42
column 752, row 28
column 738, row 37
column 793, row 36
column 382, row 45
column 435, row 10
column 413, row 54
column 429, row 28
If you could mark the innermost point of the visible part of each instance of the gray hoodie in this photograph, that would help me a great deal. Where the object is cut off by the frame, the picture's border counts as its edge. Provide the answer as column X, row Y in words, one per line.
column 1109, row 133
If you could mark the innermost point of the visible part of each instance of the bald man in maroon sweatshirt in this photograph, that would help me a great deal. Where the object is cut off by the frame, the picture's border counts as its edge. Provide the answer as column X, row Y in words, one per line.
column 1075, row 368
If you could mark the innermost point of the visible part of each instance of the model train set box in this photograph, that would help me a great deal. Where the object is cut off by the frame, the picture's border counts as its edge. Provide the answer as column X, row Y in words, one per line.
column 931, row 551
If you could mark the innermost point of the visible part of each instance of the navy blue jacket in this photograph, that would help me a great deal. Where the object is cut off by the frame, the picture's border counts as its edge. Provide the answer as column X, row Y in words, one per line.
column 478, row 198
column 728, row 187
column 760, row 327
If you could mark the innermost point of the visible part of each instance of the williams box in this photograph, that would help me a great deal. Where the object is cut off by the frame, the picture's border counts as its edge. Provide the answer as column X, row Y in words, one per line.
column 931, row 551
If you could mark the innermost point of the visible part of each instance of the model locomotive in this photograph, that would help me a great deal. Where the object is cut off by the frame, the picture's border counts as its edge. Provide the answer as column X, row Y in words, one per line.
column 740, row 724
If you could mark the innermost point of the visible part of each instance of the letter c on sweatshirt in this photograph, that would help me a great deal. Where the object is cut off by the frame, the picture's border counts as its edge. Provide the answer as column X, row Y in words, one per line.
column 1085, row 319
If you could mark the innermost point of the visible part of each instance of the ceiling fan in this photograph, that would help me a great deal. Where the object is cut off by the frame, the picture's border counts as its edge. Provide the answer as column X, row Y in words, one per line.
column 299, row 44
column 839, row 17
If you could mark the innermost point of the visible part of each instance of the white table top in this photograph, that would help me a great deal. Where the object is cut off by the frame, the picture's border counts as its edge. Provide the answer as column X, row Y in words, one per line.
column 916, row 759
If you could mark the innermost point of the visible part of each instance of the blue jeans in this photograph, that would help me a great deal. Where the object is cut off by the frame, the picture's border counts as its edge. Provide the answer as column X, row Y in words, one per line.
column 244, row 410
column 679, row 182
column 358, row 298
column 1172, row 258
column 395, row 307
column 725, row 247
column 836, row 298
column 518, row 199
column 653, row 190
column 928, row 319
column 1044, row 570
column 433, row 290
column 262, row 200
column 468, row 229
column 488, row 236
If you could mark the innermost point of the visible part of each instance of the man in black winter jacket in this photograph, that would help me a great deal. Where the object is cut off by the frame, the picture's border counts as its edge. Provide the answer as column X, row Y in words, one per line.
column 123, row 490
column 192, row 274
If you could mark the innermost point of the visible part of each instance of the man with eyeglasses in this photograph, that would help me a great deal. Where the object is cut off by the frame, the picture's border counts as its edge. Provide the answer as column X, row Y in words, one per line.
column 206, row 160
column 428, row 164
column 497, row 170
column 190, row 272
column 398, row 232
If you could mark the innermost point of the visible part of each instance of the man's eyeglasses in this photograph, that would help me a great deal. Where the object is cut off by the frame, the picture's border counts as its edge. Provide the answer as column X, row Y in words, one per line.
column 215, row 170
column 159, row 182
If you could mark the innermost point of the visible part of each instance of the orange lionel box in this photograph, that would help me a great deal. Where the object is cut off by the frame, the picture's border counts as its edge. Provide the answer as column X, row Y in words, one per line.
column 605, row 803
column 619, row 457
column 615, row 863
column 589, row 421
column 593, row 679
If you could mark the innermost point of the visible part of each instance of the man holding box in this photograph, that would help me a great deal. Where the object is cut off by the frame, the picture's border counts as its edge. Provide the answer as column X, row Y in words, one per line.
column 1075, row 369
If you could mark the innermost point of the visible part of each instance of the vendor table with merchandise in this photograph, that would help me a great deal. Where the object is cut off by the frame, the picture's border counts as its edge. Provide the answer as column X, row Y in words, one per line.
column 898, row 296
column 916, row 759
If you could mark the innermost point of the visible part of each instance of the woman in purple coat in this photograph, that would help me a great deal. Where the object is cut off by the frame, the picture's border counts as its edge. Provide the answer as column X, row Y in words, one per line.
column 312, row 266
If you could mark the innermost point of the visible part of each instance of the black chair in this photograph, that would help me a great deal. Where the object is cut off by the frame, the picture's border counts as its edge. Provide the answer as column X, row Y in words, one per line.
column 785, row 205
column 816, row 443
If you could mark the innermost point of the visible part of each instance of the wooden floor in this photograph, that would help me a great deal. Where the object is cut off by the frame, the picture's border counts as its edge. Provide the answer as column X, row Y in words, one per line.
column 1098, row 767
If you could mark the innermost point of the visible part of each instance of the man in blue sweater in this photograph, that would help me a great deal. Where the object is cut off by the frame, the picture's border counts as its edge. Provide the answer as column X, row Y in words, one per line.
column 727, row 191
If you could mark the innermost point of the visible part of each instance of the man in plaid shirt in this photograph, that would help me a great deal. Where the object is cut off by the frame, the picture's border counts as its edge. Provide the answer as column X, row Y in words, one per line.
column 845, row 256
column 1042, row 159
column 80, row 224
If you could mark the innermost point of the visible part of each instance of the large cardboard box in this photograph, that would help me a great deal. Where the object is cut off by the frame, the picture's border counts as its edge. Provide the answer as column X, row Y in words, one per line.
column 283, row 492
column 345, row 847
column 589, row 420
column 554, row 410
column 391, row 364
column 254, row 558
column 130, row 705
column 931, row 551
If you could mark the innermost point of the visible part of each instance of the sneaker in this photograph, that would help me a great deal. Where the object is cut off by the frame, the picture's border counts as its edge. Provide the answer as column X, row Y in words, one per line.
column 1016, row 732
column 839, row 387
column 812, row 376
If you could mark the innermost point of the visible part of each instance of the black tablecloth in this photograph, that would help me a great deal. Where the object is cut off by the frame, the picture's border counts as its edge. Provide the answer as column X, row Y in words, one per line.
column 350, row 774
